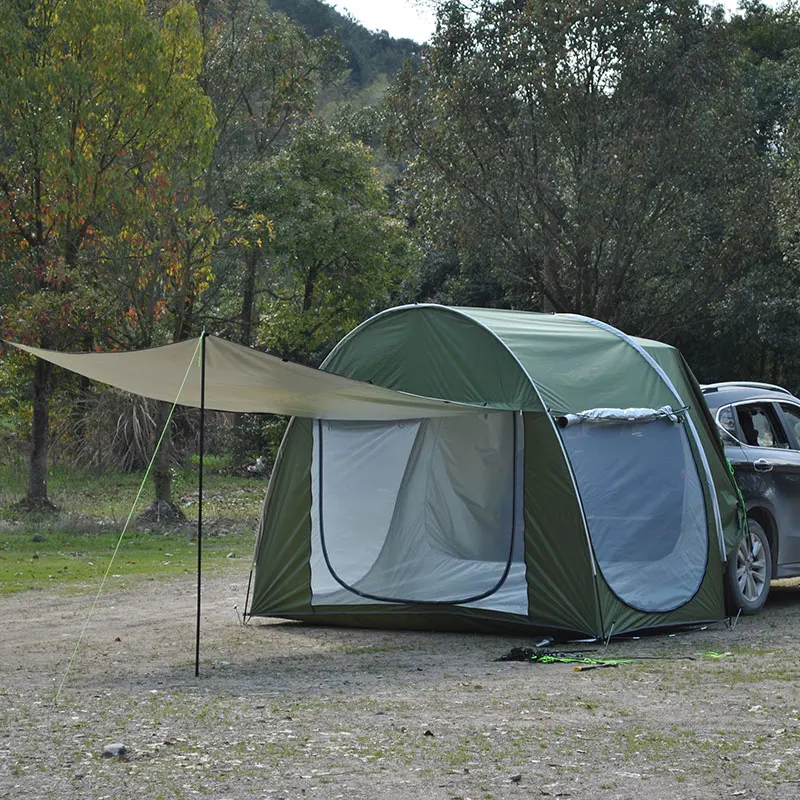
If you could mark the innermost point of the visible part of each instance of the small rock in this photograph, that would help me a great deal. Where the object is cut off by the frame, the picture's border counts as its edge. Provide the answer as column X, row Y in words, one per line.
column 114, row 750
column 38, row 537
column 516, row 778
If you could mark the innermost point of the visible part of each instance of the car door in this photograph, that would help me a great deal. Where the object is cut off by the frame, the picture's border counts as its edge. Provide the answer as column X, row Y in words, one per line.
column 789, row 413
column 773, row 470
column 756, row 487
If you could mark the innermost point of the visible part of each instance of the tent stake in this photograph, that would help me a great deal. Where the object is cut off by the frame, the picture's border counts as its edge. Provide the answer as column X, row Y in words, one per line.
column 200, row 496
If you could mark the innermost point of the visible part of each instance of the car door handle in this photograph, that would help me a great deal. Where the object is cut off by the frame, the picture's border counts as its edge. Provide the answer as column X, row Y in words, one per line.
column 762, row 465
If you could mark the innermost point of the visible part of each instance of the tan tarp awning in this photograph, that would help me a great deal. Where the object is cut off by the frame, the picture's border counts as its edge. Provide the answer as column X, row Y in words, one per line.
column 241, row 379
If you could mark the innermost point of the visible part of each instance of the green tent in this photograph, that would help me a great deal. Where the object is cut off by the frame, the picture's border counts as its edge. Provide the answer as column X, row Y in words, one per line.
column 472, row 469
column 586, row 495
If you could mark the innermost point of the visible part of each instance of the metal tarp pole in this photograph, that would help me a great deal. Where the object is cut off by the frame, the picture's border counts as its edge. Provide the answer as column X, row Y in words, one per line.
column 200, row 496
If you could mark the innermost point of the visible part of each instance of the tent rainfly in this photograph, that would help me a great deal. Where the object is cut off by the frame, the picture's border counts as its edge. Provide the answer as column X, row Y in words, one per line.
column 596, row 502
column 468, row 469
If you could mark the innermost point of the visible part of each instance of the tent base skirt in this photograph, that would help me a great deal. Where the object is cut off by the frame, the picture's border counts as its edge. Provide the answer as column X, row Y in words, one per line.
column 425, row 619
column 468, row 622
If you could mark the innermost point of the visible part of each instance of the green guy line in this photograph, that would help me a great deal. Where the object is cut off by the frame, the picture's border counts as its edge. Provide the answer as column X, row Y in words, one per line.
column 127, row 523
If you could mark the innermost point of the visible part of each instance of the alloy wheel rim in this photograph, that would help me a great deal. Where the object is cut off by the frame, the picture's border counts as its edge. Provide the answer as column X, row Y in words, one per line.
column 751, row 567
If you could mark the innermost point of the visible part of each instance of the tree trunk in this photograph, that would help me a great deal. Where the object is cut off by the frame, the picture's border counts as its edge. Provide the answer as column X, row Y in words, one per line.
column 310, row 285
column 162, row 472
column 247, row 319
column 247, row 314
column 40, row 435
column 162, row 511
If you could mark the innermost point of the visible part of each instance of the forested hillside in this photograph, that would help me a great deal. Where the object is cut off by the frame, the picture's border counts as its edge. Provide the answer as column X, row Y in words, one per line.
column 370, row 54
column 270, row 171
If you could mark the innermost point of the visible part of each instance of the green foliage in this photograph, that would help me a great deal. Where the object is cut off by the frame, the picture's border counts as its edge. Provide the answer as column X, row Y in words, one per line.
column 15, row 407
column 370, row 54
column 766, row 33
column 263, row 74
column 361, row 114
column 97, row 105
column 337, row 253
column 593, row 158
column 459, row 279
column 256, row 436
column 752, row 328
column 104, row 131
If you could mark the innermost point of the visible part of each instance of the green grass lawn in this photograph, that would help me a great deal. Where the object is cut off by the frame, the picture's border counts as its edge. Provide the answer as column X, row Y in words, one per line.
column 74, row 548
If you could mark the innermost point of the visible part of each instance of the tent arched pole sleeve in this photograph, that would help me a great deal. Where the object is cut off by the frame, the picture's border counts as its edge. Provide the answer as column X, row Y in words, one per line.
column 240, row 379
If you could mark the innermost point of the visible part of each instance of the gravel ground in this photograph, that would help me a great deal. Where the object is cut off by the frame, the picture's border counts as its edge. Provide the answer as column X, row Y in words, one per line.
column 283, row 710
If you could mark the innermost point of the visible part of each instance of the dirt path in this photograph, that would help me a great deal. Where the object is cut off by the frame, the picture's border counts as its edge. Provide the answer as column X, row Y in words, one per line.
column 287, row 711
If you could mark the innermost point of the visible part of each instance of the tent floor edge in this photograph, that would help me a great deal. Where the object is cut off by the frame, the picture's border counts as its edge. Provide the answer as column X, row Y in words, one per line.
column 427, row 620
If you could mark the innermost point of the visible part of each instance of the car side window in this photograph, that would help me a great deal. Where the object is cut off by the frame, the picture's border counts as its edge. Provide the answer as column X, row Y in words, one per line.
column 792, row 415
column 726, row 420
column 760, row 427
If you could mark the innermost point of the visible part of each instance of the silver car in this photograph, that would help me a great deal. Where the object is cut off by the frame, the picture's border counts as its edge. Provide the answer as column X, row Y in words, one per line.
column 760, row 428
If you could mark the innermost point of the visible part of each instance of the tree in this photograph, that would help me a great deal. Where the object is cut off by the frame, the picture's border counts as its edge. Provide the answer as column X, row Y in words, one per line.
column 336, row 254
column 263, row 75
column 770, row 39
column 752, row 327
column 601, row 153
column 98, row 104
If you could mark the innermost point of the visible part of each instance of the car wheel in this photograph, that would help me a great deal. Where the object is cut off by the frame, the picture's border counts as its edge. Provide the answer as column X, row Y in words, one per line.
column 749, row 571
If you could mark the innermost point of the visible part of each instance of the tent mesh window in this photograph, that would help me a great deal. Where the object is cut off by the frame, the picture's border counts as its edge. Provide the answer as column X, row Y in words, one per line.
column 416, row 512
column 645, row 509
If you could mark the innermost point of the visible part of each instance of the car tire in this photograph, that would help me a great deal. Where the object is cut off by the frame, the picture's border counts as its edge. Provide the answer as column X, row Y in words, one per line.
column 749, row 571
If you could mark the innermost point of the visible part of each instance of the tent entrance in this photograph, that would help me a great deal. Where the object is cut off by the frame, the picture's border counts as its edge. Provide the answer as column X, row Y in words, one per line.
column 645, row 509
column 418, row 511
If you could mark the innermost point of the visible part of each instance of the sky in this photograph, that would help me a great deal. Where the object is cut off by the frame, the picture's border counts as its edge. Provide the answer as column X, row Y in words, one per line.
column 401, row 18
column 411, row 18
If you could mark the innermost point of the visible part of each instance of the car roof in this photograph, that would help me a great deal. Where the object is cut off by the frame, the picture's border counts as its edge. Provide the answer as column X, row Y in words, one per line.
column 720, row 394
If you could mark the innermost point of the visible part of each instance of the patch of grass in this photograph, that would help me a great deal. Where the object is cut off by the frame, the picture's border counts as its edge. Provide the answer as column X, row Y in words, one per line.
column 75, row 546
column 111, row 494
column 590, row 705
column 211, row 462
column 637, row 742
column 67, row 558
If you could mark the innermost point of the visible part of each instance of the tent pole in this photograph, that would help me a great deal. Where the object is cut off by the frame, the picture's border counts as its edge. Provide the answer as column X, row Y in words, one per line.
column 200, row 496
